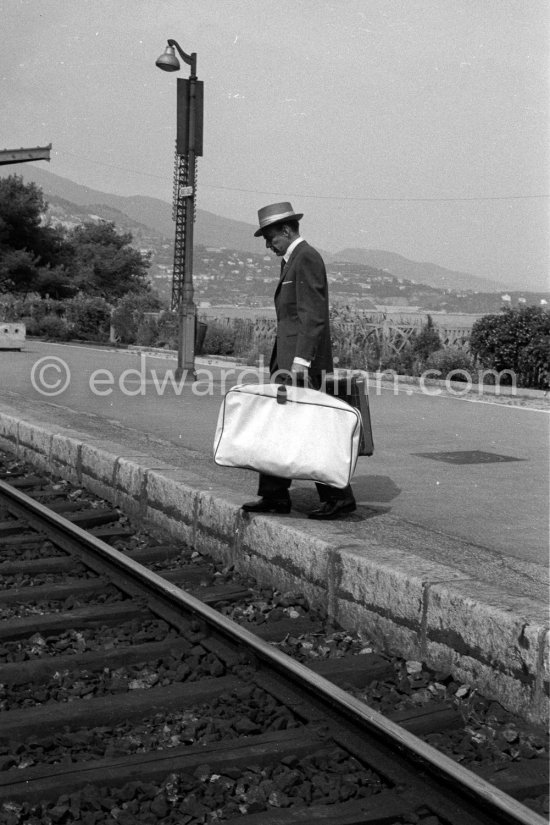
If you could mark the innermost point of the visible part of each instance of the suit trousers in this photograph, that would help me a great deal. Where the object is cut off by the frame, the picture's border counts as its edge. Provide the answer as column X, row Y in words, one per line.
column 277, row 487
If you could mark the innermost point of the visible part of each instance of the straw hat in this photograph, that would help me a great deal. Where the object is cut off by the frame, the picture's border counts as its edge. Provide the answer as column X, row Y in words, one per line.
column 274, row 213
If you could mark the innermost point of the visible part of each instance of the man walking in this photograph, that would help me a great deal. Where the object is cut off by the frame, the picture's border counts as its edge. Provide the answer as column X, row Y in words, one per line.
column 302, row 349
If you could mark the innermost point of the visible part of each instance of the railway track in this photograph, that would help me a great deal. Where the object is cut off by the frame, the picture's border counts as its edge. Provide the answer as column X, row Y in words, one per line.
column 127, row 696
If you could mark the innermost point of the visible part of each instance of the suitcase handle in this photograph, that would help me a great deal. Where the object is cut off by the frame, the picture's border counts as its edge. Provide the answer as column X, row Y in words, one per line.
column 282, row 396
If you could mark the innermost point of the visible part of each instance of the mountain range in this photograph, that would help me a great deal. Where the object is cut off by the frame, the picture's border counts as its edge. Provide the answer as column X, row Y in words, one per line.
column 216, row 231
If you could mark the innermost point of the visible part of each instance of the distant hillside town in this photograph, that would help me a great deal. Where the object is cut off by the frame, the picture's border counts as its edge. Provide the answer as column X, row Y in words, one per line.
column 91, row 272
column 224, row 276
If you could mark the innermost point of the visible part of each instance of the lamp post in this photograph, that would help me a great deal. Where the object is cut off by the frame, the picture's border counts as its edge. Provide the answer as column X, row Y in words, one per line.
column 188, row 147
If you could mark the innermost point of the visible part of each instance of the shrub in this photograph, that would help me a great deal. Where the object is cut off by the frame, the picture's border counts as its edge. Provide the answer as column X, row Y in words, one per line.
column 146, row 333
column 447, row 360
column 354, row 346
column 14, row 308
column 35, row 308
column 219, row 340
column 89, row 319
column 52, row 327
column 258, row 353
column 426, row 341
column 518, row 340
column 9, row 309
column 349, row 355
column 245, row 334
column 129, row 315
column 167, row 331
column 32, row 326
column 255, row 339
column 404, row 362
column 415, row 350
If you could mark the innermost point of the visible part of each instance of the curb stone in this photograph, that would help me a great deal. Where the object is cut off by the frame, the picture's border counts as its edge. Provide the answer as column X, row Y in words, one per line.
column 416, row 607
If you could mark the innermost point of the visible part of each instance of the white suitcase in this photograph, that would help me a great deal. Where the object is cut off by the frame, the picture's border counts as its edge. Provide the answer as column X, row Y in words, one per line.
column 288, row 431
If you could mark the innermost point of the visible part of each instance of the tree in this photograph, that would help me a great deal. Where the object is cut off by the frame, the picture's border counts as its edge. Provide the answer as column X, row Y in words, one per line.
column 18, row 270
column 102, row 262
column 53, row 282
column 37, row 257
column 21, row 208
column 30, row 250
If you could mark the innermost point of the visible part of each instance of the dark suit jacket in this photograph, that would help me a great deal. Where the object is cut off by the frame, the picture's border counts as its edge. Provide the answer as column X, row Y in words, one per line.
column 301, row 304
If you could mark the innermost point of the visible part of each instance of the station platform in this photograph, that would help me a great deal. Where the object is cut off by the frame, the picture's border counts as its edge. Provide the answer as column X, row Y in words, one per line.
column 427, row 594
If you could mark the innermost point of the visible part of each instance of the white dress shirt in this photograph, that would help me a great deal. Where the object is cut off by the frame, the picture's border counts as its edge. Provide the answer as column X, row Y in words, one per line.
column 297, row 360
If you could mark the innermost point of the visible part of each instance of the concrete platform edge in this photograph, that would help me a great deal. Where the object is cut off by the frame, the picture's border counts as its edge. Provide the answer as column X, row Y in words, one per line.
column 419, row 609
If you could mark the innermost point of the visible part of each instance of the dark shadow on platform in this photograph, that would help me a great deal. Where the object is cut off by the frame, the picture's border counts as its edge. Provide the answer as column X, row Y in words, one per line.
column 374, row 488
column 367, row 489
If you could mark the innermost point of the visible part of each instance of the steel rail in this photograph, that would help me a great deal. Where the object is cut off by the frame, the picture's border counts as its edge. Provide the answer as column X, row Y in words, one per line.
column 66, row 534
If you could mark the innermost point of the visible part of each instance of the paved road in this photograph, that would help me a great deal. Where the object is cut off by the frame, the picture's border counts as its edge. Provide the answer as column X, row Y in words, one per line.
column 501, row 505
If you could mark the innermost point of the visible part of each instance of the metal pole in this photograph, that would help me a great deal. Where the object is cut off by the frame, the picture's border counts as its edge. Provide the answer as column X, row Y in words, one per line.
column 187, row 311
column 191, row 143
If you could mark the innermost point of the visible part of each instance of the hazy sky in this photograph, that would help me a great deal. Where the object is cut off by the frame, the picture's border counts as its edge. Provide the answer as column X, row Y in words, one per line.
column 416, row 126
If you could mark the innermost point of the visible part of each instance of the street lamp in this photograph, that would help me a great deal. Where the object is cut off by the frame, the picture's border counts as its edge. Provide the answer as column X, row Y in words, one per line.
column 188, row 147
column 168, row 61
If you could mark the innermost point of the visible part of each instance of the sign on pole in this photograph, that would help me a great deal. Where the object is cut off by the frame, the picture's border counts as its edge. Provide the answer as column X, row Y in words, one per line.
column 183, row 112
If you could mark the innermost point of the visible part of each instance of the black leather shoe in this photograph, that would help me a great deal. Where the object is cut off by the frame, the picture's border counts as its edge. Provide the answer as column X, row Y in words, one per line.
column 334, row 509
column 267, row 505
